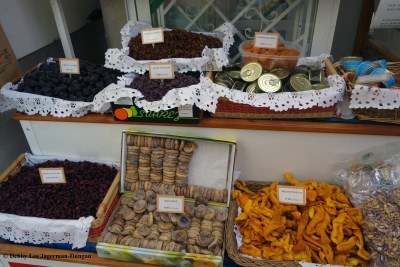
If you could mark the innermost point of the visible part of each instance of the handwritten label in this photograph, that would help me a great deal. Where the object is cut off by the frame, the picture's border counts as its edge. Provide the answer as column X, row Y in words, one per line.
column 266, row 40
column 152, row 35
column 185, row 111
column 171, row 204
column 375, row 78
column 292, row 195
column 52, row 175
column 161, row 71
column 69, row 65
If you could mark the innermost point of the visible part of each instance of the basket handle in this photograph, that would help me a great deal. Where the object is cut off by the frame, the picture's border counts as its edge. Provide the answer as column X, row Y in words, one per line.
column 12, row 167
column 107, row 198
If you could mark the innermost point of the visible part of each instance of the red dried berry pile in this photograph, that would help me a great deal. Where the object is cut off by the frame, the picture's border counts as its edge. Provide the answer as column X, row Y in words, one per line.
column 177, row 43
column 48, row 81
column 154, row 90
column 87, row 184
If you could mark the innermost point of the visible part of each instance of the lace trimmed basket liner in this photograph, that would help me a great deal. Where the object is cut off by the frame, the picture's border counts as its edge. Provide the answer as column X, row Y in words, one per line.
column 32, row 104
column 120, row 59
column 22, row 229
column 202, row 95
column 376, row 104
column 307, row 104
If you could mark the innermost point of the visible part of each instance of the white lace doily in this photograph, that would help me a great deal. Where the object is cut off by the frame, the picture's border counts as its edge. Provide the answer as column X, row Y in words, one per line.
column 32, row 104
column 364, row 96
column 201, row 95
column 22, row 229
column 287, row 100
column 120, row 59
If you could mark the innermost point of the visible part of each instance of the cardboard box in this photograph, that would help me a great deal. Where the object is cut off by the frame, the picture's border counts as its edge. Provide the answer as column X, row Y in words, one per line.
column 9, row 66
column 211, row 166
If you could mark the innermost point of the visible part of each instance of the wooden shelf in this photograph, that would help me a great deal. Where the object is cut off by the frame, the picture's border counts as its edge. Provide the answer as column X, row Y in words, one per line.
column 270, row 125
column 64, row 256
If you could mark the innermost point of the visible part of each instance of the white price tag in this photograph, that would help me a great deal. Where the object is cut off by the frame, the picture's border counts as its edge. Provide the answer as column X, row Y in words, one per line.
column 161, row 71
column 185, row 111
column 376, row 78
column 292, row 195
column 266, row 40
column 152, row 35
column 128, row 101
column 69, row 65
column 171, row 204
column 52, row 175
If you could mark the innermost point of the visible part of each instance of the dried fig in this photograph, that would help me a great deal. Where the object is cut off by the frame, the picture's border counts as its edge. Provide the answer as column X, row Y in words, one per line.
column 184, row 221
column 179, row 236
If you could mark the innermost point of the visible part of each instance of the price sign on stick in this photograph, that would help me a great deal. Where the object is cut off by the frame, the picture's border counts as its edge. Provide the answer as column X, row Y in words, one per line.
column 52, row 175
column 152, row 35
column 161, row 71
column 266, row 40
column 69, row 65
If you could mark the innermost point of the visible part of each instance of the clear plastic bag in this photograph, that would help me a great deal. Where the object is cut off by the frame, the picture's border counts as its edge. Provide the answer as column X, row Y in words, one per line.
column 372, row 180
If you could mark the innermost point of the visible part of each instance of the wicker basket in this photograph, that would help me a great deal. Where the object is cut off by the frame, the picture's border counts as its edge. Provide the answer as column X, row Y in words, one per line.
column 228, row 109
column 230, row 237
column 382, row 115
column 105, row 208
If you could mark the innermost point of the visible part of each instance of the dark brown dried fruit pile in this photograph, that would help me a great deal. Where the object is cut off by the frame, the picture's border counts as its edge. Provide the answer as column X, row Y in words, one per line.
column 154, row 90
column 177, row 44
column 87, row 184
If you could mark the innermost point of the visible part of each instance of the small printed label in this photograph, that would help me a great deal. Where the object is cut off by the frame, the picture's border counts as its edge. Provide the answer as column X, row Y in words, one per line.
column 152, row 35
column 171, row 204
column 376, row 78
column 161, row 71
column 124, row 101
column 52, row 175
column 185, row 111
column 69, row 65
column 292, row 195
column 266, row 40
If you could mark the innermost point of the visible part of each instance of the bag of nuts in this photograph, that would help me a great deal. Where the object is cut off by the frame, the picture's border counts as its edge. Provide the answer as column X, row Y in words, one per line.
column 373, row 183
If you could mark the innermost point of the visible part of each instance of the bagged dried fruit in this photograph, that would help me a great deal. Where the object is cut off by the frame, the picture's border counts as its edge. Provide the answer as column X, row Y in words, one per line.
column 372, row 179
column 327, row 230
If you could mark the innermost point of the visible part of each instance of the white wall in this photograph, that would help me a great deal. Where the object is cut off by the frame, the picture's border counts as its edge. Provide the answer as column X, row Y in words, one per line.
column 29, row 24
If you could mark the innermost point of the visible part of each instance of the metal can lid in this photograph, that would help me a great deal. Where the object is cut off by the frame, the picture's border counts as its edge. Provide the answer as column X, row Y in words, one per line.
column 234, row 74
column 219, row 75
column 251, row 71
column 225, row 79
column 319, row 86
column 351, row 58
column 299, row 83
column 233, row 66
column 252, row 88
column 280, row 72
column 269, row 83
column 238, row 85
column 223, row 84
column 316, row 76
column 303, row 67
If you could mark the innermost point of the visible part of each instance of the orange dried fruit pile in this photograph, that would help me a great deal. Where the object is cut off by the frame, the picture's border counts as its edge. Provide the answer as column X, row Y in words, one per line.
column 327, row 230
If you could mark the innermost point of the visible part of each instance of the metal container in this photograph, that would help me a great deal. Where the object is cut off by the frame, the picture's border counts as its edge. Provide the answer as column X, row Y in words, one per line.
column 234, row 74
column 351, row 63
column 223, row 78
column 269, row 83
column 282, row 74
column 302, row 69
column 238, row 85
column 299, row 83
column 252, row 88
column 224, row 84
column 319, row 86
column 316, row 76
column 233, row 66
column 251, row 71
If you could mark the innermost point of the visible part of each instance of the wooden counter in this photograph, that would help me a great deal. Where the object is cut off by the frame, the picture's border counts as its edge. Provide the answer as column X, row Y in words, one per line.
column 272, row 125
